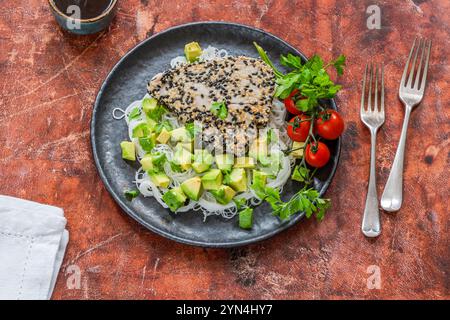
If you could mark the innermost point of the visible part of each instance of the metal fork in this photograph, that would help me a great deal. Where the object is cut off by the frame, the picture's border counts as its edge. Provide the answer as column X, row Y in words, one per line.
column 411, row 94
column 373, row 117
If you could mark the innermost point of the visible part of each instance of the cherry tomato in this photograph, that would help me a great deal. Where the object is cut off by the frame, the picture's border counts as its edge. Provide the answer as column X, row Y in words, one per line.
column 290, row 106
column 289, row 103
column 329, row 124
column 317, row 154
column 298, row 128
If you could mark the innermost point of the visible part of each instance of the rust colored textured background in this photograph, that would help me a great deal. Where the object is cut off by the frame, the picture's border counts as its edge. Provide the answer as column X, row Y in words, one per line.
column 48, row 83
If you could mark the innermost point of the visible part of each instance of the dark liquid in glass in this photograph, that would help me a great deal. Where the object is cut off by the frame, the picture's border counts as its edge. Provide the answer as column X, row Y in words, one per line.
column 89, row 8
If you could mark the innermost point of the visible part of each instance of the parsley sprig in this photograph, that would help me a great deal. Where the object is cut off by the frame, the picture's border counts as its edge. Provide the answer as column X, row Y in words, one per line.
column 313, row 83
column 307, row 200
column 310, row 78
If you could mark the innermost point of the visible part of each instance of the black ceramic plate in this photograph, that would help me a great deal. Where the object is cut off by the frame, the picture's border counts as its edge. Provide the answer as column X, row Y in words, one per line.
column 127, row 82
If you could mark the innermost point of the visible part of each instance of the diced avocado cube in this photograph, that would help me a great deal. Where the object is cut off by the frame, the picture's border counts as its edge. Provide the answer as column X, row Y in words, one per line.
column 180, row 135
column 147, row 163
column 259, row 178
column 185, row 167
column 244, row 162
column 160, row 179
column 180, row 194
column 238, row 180
column 224, row 194
column 174, row 198
column 297, row 149
column 274, row 164
column 203, row 156
column 152, row 124
column 224, row 161
column 264, row 160
column 128, row 150
column 246, row 218
column 182, row 157
column 192, row 51
column 200, row 167
column 193, row 188
column 212, row 180
column 141, row 130
column 189, row 146
column 149, row 105
column 258, row 149
column 164, row 136
column 202, row 160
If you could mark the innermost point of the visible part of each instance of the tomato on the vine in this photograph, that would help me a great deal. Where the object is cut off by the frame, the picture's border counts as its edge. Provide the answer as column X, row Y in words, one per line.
column 317, row 154
column 289, row 103
column 329, row 125
column 298, row 128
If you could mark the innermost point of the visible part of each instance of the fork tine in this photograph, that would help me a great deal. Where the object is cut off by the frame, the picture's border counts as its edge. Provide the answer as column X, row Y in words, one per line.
column 363, row 89
column 411, row 72
column 425, row 69
column 369, row 98
column 419, row 68
column 382, row 89
column 403, row 80
column 375, row 107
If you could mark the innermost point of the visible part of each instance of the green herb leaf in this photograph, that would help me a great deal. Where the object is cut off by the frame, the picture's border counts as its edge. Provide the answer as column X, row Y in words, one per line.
column 163, row 125
column 226, row 177
column 131, row 194
column 306, row 200
column 219, row 109
column 300, row 174
column 218, row 194
column 141, row 130
column 291, row 61
column 271, row 136
column 175, row 167
column 134, row 114
column 240, row 202
column 157, row 113
column 303, row 104
column 192, row 129
column 266, row 59
column 158, row 159
column 339, row 63
column 147, row 143
column 311, row 78
column 258, row 187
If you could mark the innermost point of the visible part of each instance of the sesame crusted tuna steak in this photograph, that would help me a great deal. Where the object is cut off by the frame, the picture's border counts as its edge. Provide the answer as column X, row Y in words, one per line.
column 246, row 86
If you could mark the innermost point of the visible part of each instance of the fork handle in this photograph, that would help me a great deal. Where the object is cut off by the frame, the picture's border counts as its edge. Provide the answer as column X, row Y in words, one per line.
column 392, row 197
column 371, row 226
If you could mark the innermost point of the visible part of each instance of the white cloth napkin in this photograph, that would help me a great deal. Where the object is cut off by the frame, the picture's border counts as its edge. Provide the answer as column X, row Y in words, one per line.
column 33, row 241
